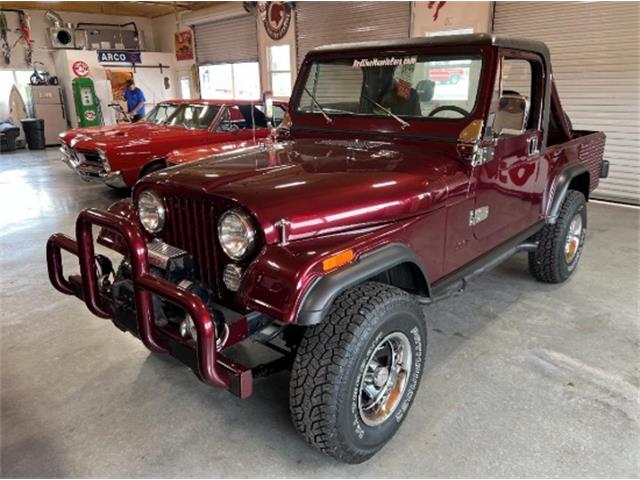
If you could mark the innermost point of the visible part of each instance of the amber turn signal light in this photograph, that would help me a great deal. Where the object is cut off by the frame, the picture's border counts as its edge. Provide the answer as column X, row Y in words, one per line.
column 337, row 260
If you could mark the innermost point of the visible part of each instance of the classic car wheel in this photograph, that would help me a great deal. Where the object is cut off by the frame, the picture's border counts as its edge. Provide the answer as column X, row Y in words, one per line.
column 356, row 373
column 152, row 167
column 560, row 245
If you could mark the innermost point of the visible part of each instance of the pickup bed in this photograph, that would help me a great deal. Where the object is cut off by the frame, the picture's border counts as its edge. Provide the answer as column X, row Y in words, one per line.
column 385, row 192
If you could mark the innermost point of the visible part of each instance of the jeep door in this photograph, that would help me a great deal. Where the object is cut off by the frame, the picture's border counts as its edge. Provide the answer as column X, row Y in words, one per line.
column 508, row 188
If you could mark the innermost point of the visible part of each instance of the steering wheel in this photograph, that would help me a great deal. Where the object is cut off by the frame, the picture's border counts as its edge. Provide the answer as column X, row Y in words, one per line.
column 443, row 108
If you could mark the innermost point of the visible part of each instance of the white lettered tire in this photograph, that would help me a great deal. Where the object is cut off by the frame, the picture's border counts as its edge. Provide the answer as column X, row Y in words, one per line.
column 356, row 374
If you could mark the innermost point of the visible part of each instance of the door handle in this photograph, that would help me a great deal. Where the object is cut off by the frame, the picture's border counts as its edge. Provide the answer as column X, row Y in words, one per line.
column 532, row 145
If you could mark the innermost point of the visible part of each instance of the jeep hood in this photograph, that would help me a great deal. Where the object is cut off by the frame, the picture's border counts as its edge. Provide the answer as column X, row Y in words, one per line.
column 322, row 186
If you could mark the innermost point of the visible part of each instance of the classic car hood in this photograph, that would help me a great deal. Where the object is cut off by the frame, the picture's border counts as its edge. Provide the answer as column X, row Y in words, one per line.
column 93, row 132
column 322, row 186
column 109, row 138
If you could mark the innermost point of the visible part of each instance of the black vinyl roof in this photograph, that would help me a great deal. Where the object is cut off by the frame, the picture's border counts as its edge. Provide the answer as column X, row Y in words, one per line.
column 453, row 40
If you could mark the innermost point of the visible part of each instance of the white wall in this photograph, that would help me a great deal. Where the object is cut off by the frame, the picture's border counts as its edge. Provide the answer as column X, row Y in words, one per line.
column 164, row 29
column 452, row 16
column 41, row 49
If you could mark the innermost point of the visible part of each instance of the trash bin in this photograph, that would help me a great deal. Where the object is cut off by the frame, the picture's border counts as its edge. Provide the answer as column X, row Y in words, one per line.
column 8, row 135
column 34, row 133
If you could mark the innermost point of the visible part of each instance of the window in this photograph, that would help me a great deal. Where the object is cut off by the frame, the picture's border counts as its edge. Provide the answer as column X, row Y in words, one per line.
column 514, row 107
column 239, row 81
column 185, row 87
column 19, row 78
column 280, row 70
column 516, row 77
column 194, row 116
column 160, row 113
column 413, row 86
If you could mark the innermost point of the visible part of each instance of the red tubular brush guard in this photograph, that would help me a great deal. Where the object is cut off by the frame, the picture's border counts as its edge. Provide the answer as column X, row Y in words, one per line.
column 144, row 284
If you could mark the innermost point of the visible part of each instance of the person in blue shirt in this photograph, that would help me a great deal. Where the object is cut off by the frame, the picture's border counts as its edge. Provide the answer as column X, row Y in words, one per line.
column 135, row 101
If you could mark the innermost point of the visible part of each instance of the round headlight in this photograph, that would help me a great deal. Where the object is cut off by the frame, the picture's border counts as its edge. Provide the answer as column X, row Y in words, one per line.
column 151, row 211
column 236, row 234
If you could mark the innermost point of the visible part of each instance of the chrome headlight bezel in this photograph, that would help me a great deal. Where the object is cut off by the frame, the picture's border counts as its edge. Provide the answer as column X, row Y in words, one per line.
column 150, row 203
column 225, row 238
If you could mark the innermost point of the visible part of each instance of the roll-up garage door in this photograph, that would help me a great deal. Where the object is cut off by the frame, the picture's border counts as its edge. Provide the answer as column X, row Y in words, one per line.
column 227, row 41
column 594, row 51
column 322, row 23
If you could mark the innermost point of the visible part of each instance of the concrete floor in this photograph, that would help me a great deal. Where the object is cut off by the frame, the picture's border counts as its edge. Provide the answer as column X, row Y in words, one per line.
column 522, row 379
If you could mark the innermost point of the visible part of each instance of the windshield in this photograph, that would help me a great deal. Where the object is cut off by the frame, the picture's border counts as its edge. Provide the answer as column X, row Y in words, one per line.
column 160, row 113
column 405, row 86
column 194, row 116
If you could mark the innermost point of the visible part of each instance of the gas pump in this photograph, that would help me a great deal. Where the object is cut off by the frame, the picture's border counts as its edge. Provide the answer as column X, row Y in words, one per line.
column 87, row 103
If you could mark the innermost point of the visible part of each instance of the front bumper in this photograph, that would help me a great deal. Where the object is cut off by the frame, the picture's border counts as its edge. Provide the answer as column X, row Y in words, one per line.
column 201, row 354
column 91, row 171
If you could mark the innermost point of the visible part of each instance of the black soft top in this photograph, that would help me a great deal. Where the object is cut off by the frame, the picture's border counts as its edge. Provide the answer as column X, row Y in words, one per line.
column 457, row 40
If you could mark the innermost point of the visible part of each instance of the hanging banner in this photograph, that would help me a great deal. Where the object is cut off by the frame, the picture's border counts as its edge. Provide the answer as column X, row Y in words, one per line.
column 119, row 56
column 184, row 45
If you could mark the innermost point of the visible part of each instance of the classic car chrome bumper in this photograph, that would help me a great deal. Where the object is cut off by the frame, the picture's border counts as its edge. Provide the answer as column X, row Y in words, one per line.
column 91, row 170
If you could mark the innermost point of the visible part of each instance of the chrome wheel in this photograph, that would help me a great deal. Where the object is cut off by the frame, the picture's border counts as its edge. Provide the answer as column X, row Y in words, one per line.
column 573, row 239
column 384, row 379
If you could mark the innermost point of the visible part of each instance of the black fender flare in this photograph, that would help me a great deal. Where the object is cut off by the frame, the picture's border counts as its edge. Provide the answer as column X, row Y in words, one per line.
column 320, row 295
column 563, row 180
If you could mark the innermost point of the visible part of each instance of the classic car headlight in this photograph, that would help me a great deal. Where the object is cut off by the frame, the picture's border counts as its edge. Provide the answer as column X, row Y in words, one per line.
column 151, row 211
column 236, row 234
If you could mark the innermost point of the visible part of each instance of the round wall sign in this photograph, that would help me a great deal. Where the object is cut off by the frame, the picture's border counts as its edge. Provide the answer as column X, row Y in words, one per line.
column 277, row 19
column 80, row 68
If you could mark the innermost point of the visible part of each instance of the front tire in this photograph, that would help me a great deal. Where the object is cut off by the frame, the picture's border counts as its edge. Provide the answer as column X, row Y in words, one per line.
column 355, row 374
column 560, row 245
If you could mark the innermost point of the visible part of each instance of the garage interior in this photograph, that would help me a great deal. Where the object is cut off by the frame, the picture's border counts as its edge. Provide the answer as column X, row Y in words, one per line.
column 521, row 378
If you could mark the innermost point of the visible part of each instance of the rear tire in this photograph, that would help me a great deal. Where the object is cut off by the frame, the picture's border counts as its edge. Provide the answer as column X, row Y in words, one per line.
column 560, row 245
column 355, row 374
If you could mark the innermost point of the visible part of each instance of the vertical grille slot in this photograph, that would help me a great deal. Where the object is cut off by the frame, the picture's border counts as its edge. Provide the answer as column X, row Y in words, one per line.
column 192, row 227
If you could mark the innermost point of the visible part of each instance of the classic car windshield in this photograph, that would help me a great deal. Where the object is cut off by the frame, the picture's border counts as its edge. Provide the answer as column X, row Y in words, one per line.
column 405, row 86
column 160, row 113
column 194, row 116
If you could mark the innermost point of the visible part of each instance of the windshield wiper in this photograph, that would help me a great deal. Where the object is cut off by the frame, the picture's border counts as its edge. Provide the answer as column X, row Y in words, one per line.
column 324, row 114
column 404, row 124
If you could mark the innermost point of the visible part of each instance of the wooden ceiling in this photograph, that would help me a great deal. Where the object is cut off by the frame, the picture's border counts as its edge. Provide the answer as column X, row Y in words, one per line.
column 149, row 9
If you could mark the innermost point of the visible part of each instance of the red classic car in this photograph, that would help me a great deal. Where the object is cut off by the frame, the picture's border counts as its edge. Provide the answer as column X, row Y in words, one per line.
column 446, row 75
column 120, row 155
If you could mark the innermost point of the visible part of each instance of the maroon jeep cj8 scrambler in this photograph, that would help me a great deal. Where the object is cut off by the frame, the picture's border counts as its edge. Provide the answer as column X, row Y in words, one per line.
column 386, row 192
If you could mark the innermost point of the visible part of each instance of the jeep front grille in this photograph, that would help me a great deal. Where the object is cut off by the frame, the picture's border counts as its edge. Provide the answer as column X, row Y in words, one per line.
column 191, row 226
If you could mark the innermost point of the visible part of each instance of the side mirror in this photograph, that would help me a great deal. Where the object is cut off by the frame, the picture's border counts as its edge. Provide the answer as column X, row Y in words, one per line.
column 512, row 115
column 267, row 98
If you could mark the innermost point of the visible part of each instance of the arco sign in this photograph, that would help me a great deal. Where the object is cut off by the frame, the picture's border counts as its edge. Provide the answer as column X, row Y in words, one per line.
column 119, row 56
